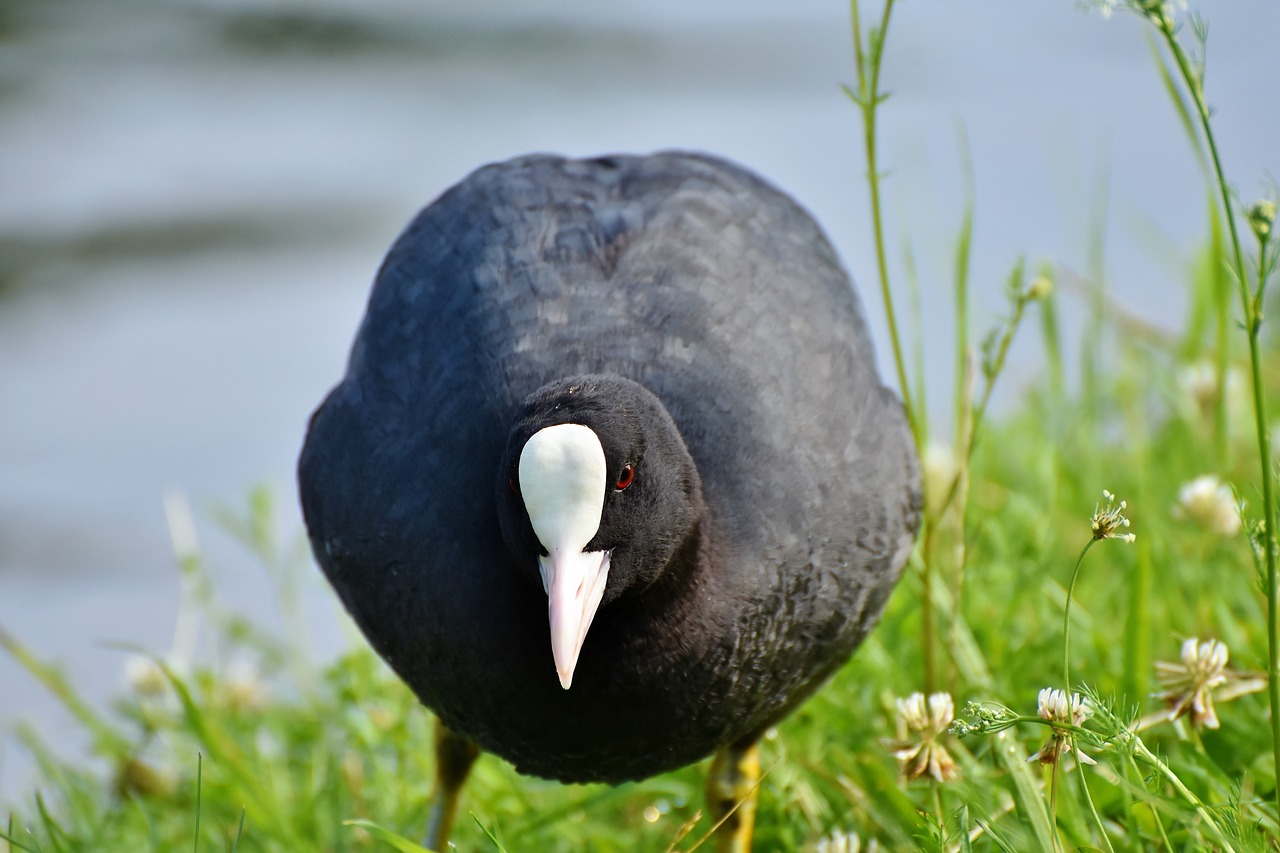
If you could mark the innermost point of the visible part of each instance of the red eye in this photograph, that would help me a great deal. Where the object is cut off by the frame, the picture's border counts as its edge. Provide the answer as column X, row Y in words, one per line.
column 626, row 477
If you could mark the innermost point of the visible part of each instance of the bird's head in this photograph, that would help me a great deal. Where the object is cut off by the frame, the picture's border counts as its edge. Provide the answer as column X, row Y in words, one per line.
column 596, row 493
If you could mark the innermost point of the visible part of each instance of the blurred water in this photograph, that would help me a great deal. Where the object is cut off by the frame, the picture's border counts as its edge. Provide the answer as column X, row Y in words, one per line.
column 194, row 196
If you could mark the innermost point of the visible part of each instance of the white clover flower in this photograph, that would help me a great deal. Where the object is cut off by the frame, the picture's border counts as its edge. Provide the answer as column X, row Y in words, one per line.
column 924, row 755
column 1209, row 502
column 145, row 677
column 1199, row 384
column 242, row 688
column 938, row 469
column 1056, row 707
column 844, row 842
column 1190, row 686
column 1108, row 520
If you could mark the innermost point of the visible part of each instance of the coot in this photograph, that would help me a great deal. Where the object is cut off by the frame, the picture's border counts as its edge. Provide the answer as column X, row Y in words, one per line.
column 611, row 481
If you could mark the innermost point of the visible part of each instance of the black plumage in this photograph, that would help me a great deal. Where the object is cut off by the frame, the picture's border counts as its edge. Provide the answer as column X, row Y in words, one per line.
column 699, row 321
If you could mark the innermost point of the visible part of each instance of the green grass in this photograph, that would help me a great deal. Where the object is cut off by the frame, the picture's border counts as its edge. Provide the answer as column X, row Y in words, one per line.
column 340, row 759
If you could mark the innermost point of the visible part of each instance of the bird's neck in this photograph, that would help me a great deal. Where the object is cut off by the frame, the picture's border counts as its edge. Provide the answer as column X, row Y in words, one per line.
column 679, row 591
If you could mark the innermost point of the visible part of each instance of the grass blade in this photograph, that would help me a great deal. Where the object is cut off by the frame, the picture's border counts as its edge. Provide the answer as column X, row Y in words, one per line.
column 399, row 842
column 1029, row 793
column 489, row 835
column 106, row 738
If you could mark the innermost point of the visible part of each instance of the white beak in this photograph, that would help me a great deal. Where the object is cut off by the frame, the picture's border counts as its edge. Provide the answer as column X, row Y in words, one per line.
column 575, row 582
column 562, row 483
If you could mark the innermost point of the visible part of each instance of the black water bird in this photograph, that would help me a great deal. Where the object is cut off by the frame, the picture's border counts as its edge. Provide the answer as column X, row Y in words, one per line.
column 611, row 481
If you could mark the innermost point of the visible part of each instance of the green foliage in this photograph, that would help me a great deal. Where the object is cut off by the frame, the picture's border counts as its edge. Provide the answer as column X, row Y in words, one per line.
column 287, row 757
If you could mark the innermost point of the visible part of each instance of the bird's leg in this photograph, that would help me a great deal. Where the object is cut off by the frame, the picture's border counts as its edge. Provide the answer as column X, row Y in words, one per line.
column 732, row 787
column 454, row 757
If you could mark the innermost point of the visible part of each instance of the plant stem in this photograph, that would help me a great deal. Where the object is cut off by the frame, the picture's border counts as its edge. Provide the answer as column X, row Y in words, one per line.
column 1252, row 307
column 964, row 432
column 1088, row 798
column 1053, row 807
column 1268, row 533
column 1132, row 764
column 1066, row 621
column 199, row 779
column 997, row 365
column 937, row 806
column 927, row 641
column 991, row 373
column 1201, row 809
column 1222, row 300
column 964, row 245
column 868, row 100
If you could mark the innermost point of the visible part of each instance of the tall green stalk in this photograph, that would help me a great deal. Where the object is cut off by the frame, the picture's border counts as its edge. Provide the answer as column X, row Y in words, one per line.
column 868, row 54
column 1251, row 305
column 964, row 246
column 868, row 97
column 1066, row 620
